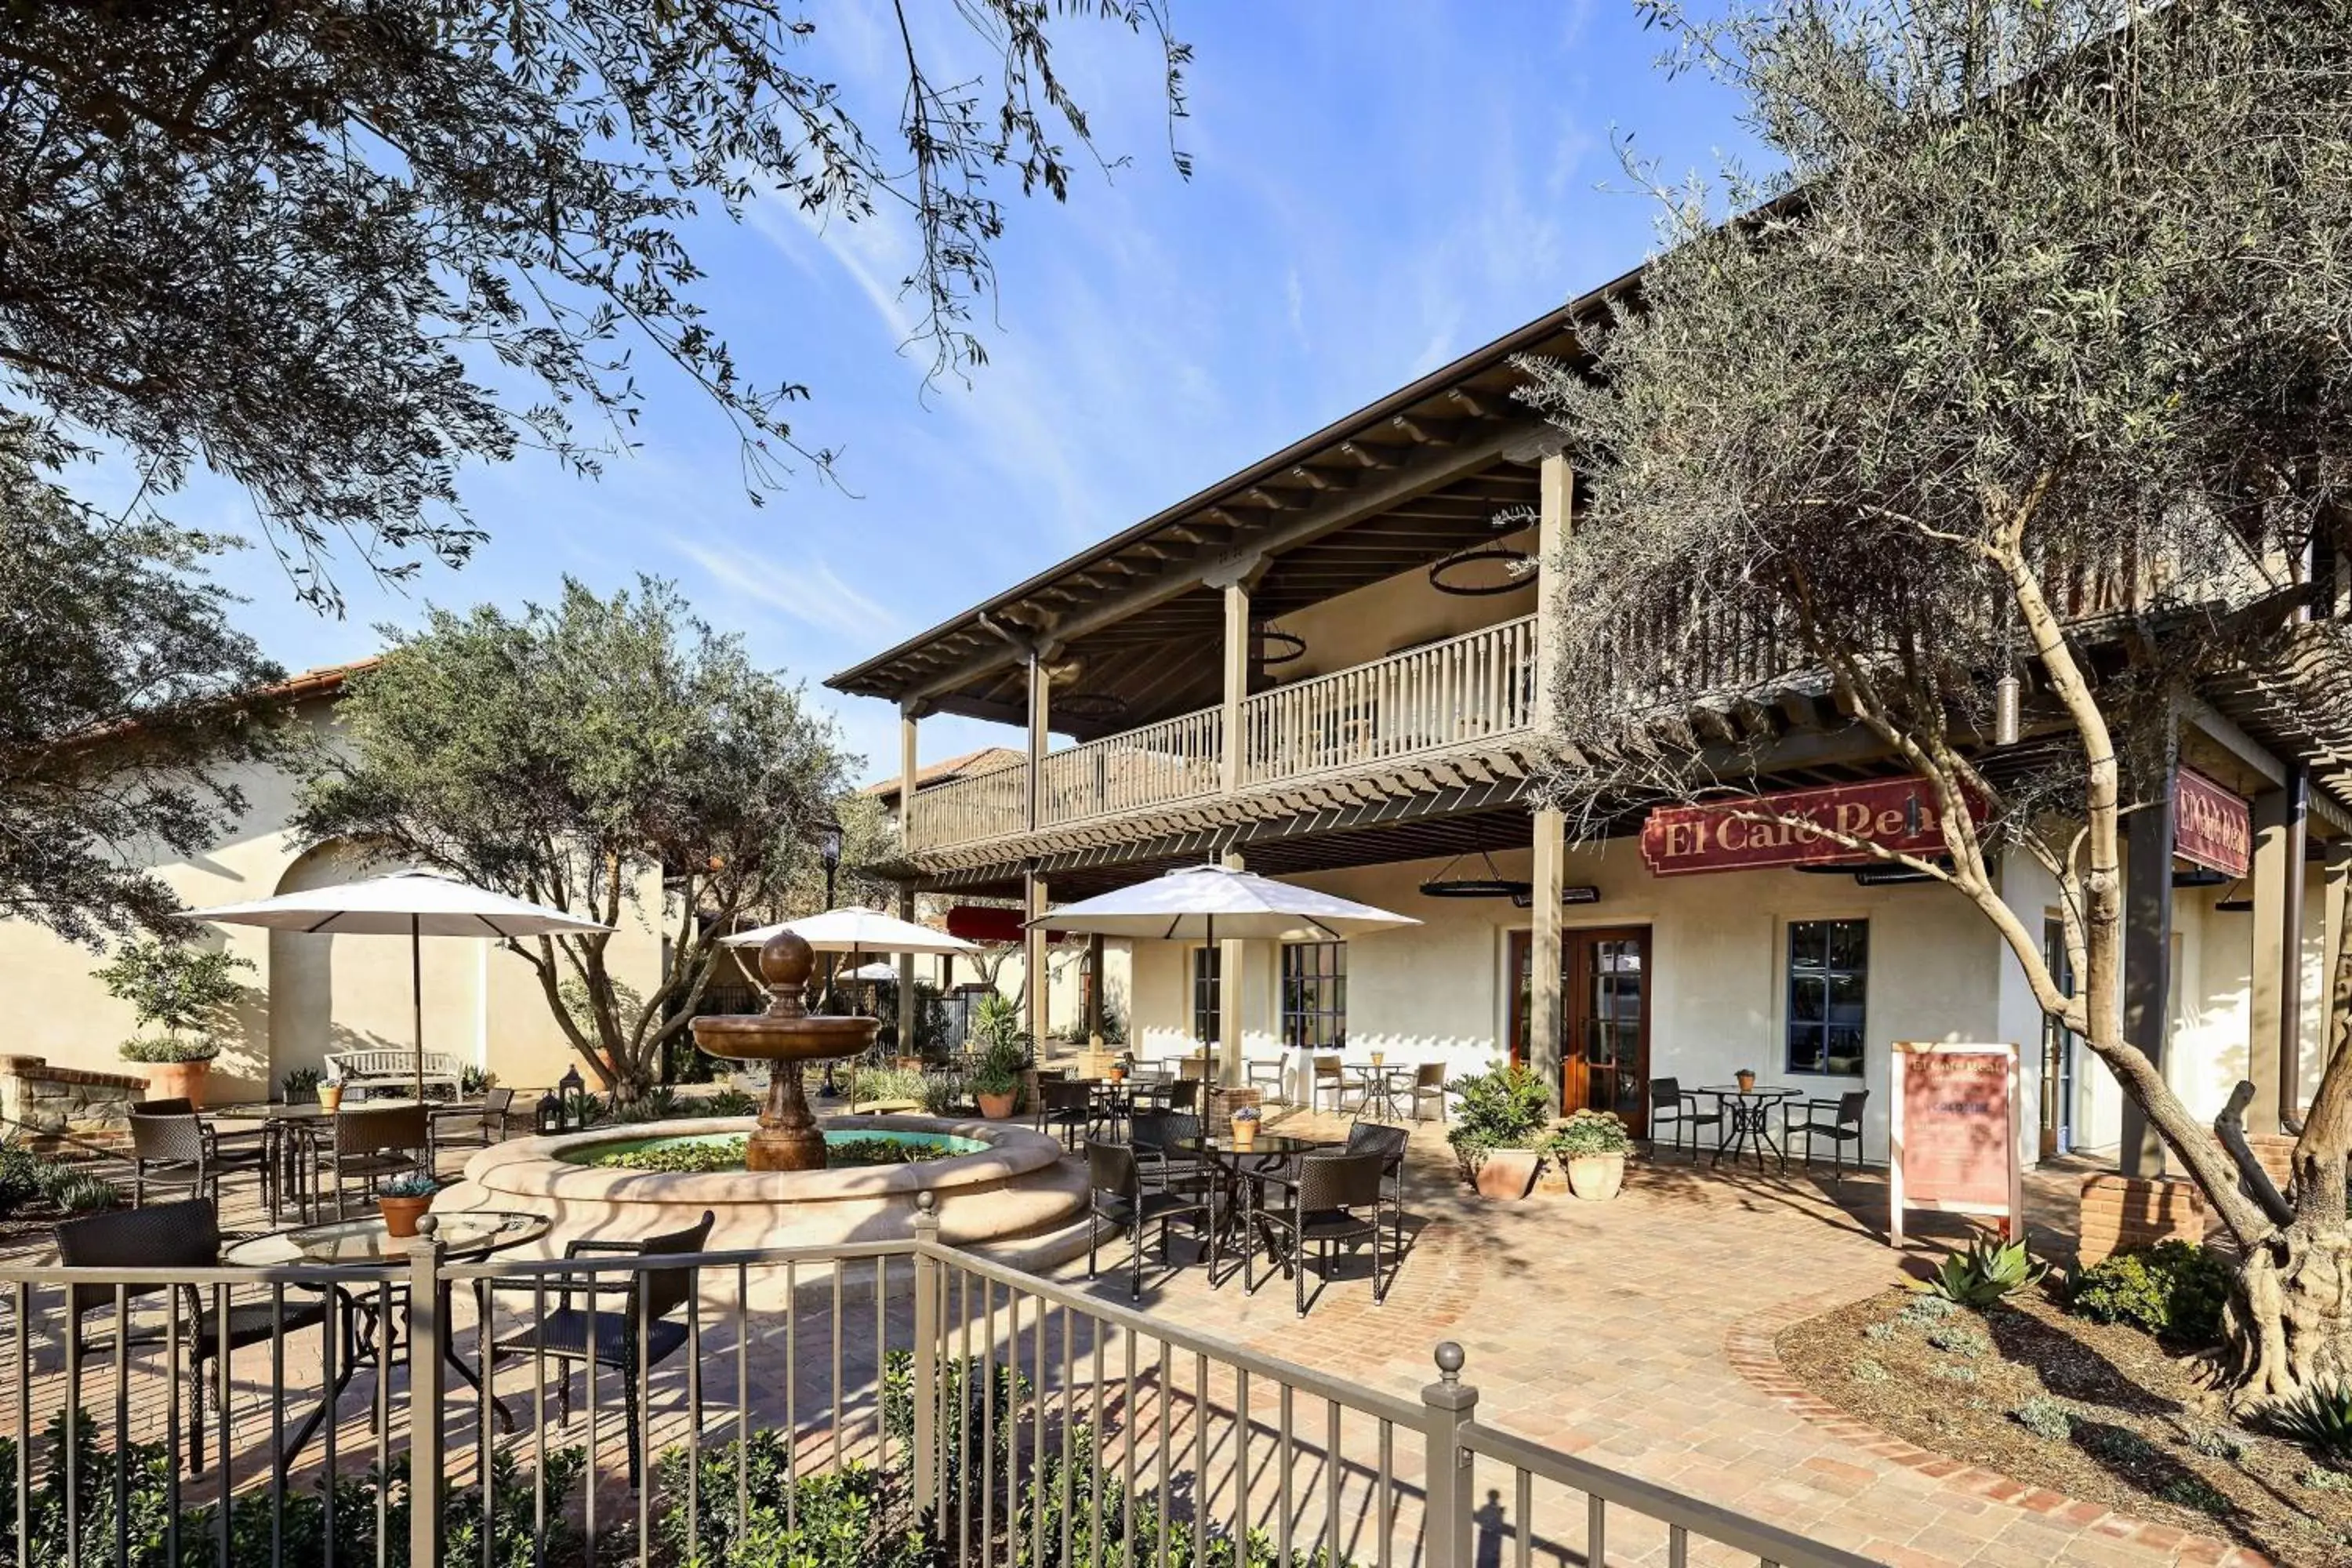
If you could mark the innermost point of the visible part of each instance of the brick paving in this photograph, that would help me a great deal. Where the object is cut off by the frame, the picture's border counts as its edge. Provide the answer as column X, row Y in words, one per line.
column 1636, row 1334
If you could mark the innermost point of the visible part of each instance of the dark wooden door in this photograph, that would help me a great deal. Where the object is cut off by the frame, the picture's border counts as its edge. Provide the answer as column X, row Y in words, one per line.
column 1604, row 1019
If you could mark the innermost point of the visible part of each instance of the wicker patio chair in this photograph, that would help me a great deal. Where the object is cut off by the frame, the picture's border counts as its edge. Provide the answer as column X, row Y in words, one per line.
column 1331, row 1077
column 609, row 1336
column 474, row 1128
column 1676, row 1108
column 181, row 1234
column 1154, row 1136
column 1068, row 1108
column 175, row 1150
column 1428, row 1084
column 373, row 1143
column 1334, row 1199
column 1838, row 1120
column 1116, row 1196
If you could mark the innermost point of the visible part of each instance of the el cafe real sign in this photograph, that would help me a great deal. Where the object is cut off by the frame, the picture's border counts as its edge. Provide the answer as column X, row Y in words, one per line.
column 1787, row 828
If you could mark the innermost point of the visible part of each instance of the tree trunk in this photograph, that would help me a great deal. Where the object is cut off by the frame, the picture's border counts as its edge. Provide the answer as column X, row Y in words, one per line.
column 2290, row 1324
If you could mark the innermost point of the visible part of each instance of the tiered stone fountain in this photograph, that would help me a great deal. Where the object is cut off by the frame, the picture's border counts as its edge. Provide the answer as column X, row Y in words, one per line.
column 787, row 1036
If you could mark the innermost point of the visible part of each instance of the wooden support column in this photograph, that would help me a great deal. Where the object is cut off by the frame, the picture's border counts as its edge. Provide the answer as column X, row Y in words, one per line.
column 2334, row 905
column 1237, row 671
column 1231, row 960
column 2274, row 1017
column 1094, row 989
column 1041, row 706
column 1032, row 958
column 910, row 1010
column 907, row 771
column 1545, row 1001
column 2147, row 954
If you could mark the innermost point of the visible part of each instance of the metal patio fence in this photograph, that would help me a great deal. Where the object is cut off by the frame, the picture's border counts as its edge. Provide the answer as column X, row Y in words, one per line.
column 903, row 1403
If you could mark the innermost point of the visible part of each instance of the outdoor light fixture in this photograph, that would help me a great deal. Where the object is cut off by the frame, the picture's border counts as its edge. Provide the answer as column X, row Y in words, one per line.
column 574, row 1093
column 828, row 848
column 1276, row 647
column 1493, row 885
column 1465, row 572
column 551, row 1114
column 2006, row 692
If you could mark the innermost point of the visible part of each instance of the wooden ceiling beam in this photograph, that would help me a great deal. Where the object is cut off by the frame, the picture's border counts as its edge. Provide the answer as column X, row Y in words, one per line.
column 1390, row 488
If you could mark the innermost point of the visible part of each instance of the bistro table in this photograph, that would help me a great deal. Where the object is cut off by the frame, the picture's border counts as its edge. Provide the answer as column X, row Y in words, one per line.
column 1748, row 1119
column 1245, row 1170
column 291, row 1136
column 464, row 1236
column 1377, row 1084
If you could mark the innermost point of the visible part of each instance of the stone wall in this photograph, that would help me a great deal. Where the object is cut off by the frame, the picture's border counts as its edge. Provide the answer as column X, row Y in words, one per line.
column 48, row 1106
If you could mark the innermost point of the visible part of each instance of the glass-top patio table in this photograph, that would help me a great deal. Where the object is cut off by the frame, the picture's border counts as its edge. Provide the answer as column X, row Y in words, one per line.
column 291, row 1134
column 370, row 1337
column 1246, row 1170
column 1748, row 1119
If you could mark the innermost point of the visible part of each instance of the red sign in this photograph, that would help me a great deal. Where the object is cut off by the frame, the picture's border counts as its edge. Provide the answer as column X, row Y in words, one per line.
column 1954, row 1130
column 2211, row 826
column 1785, row 829
column 990, row 925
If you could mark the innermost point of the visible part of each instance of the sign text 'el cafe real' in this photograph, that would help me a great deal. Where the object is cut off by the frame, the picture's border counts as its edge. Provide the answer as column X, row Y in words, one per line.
column 1793, row 827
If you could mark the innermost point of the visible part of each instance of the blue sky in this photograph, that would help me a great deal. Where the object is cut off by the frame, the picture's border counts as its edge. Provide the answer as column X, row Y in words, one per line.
column 1378, row 187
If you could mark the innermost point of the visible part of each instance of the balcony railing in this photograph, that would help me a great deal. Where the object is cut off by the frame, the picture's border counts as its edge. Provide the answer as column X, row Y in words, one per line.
column 1471, row 688
column 986, row 806
column 1175, row 760
column 830, row 1404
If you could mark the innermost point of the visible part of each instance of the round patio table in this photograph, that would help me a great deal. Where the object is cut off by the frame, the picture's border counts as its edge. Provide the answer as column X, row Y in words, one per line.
column 1748, row 1119
column 1379, row 1083
column 465, row 1236
column 1244, row 1174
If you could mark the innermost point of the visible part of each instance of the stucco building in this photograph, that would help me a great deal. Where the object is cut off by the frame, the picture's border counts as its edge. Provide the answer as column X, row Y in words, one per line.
column 1327, row 667
column 307, row 994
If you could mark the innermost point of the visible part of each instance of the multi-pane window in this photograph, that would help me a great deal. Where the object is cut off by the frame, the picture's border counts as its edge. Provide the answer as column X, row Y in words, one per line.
column 1828, row 969
column 1315, row 994
column 1208, row 1007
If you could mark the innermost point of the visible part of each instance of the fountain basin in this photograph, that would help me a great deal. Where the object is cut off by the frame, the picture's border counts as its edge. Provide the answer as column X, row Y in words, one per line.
column 1011, row 1186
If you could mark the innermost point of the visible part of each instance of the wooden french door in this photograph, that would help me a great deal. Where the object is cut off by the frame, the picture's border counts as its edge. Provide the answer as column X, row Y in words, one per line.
column 1604, row 1019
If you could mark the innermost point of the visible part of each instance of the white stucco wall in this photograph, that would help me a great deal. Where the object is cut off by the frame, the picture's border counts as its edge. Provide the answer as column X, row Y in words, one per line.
column 310, row 995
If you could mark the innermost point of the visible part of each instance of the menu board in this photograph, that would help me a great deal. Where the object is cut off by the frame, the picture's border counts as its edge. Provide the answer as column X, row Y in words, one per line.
column 1954, row 1132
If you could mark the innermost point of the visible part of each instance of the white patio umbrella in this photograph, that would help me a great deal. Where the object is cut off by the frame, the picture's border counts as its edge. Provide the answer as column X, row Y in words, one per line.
column 1214, row 903
column 854, row 930
column 413, row 904
column 877, row 973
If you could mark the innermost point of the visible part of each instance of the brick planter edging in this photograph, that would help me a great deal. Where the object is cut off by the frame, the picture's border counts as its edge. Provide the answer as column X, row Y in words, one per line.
column 1752, row 1347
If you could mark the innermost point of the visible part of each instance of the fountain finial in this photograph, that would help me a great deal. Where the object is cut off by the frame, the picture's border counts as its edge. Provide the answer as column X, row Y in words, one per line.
column 786, row 962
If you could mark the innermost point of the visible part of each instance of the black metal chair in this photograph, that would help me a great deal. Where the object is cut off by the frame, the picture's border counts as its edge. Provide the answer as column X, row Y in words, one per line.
column 474, row 1128
column 608, row 1337
column 1676, row 1108
column 373, row 1143
column 1842, row 1126
column 1334, row 1199
column 1068, row 1108
column 175, row 1149
column 1428, row 1084
column 1115, row 1196
column 181, row 1234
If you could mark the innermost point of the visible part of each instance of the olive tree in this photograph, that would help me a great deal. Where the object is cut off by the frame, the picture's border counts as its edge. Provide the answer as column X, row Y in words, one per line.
column 2026, row 359
column 614, row 757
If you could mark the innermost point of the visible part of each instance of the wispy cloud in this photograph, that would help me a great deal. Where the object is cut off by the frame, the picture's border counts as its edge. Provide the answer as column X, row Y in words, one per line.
column 806, row 590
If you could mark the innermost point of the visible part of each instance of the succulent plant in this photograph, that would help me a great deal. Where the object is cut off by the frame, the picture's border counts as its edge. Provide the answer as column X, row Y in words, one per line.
column 2319, row 1419
column 413, row 1186
column 1985, row 1273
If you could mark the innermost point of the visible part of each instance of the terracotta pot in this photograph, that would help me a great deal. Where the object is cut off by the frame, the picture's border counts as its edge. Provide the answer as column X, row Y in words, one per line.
column 401, row 1214
column 1747, row 1080
column 331, row 1097
column 997, row 1107
column 179, row 1080
column 1245, row 1134
column 1508, row 1173
column 1596, row 1178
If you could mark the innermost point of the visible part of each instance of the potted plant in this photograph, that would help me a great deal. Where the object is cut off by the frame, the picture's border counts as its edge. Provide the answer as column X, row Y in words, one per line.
column 403, row 1201
column 1244, row 1125
column 1746, row 1078
column 1500, row 1119
column 1590, row 1146
column 189, row 991
column 301, row 1084
column 997, row 1087
column 330, row 1095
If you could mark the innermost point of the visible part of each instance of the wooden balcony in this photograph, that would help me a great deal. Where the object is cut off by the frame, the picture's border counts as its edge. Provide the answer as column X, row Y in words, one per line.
column 1476, row 686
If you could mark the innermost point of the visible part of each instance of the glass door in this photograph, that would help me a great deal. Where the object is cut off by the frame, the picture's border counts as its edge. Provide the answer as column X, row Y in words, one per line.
column 2057, row 1051
column 1604, row 1019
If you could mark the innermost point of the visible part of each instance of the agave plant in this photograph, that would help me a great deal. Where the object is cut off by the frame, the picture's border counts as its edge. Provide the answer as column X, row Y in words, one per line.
column 1985, row 1273
column 2320, row 1418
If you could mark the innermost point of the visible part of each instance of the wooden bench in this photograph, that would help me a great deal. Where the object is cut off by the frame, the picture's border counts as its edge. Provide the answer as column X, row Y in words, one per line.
column 393, row 1073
